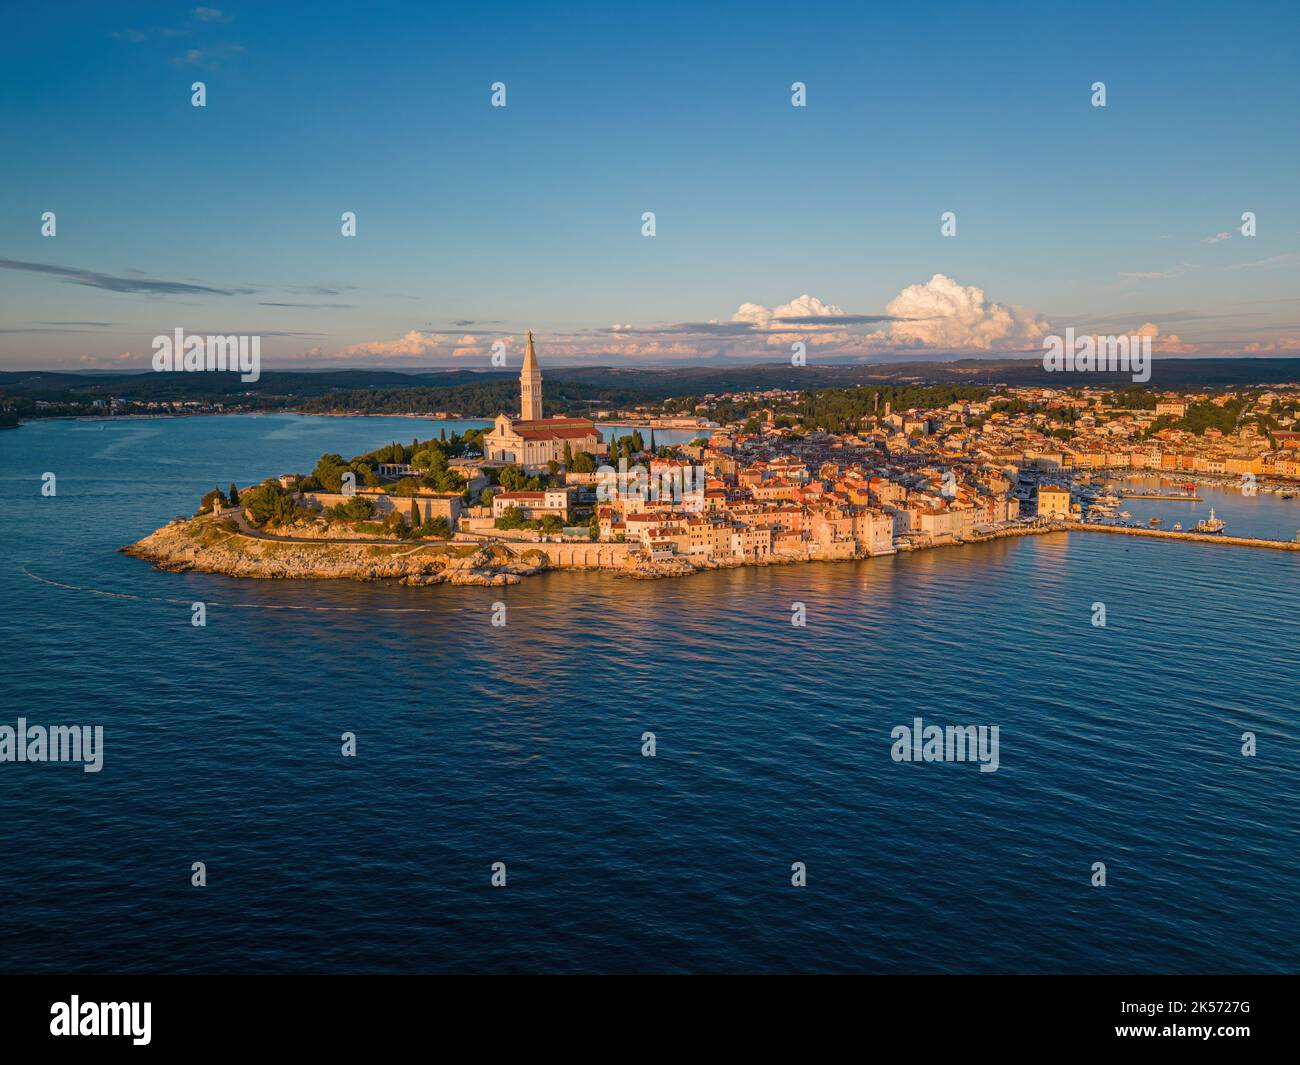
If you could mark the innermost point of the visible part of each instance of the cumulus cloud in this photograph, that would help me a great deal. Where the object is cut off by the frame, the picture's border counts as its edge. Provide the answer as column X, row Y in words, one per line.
column 803, row 310
column 1283, row 345
column 944, row 314
column 939, row 315
column 413, row 343
column 1217, row 238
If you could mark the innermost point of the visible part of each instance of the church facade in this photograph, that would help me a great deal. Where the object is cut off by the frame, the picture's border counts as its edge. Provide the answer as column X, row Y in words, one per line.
column 531, row 440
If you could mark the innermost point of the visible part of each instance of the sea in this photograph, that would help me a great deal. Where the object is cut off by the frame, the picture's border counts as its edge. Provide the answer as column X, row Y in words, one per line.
column 520, row 752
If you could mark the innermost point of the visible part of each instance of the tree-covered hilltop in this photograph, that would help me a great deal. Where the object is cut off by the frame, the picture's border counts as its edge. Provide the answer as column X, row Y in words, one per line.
column 576, row 390
column 1204, row 415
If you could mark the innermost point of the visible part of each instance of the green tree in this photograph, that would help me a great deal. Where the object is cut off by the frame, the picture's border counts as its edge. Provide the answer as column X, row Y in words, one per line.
column 511, row 518
column 512, row 478
column 358, row 508
column 269, row 504
column 233, row 495
column 210, row 499
column 329, row 472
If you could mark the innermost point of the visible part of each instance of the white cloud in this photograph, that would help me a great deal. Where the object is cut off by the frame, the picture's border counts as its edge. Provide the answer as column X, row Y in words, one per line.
column 944, row 314
column 804, row 306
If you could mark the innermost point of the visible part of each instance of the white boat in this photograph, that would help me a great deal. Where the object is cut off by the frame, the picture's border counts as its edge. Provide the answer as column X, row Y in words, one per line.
column 1178, row 526
column 1211, row 524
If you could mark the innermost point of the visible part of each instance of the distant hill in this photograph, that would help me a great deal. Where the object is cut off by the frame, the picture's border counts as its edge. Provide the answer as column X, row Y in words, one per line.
column 482, row 394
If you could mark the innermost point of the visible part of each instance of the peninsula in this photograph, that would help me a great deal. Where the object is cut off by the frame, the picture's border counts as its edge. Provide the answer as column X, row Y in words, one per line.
column 777, row 477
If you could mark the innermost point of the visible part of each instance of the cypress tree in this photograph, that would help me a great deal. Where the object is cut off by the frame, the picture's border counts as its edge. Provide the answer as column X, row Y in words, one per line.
column 234, row 495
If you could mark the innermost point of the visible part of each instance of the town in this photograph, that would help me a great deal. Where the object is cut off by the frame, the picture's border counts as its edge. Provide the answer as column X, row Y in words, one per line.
column 783, row 475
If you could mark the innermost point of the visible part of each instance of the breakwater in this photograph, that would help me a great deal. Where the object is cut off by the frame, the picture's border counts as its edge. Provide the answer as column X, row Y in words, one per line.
column 1163, row 534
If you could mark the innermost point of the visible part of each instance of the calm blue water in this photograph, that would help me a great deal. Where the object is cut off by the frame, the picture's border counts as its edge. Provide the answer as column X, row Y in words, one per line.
column 479, row 744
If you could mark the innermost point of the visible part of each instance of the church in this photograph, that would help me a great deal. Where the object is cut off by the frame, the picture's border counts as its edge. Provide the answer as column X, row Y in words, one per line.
column 531, row 440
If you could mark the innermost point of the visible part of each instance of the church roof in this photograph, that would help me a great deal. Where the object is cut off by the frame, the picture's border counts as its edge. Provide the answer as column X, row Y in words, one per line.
column 554, row 428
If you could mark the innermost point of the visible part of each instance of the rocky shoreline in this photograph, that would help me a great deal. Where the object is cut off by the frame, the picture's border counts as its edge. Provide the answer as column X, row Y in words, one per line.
column 205, row 545
column 208, row 544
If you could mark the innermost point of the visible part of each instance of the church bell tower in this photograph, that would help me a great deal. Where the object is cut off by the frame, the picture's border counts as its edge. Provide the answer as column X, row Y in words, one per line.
column 530, row 385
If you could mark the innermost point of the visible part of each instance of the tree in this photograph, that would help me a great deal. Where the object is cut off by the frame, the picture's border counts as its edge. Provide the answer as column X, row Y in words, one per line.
column 358, row 508
column 439, row 527
column 511, row 518
column 583, row 463
column 415, row 514
column 233, row 495
column 512, row 478
column 269, row 504
column 568, row 456
column 211, row 499
column 329, row 472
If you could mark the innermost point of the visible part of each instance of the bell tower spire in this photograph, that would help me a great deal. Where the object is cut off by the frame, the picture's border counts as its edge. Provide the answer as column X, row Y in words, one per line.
column 530, row 385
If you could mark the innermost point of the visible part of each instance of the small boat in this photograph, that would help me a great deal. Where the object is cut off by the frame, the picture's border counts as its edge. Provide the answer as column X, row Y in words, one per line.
column 1125, row 515
column 1154, row 521
column 1178, row 526
column 1288, row 495
column 1211, row 524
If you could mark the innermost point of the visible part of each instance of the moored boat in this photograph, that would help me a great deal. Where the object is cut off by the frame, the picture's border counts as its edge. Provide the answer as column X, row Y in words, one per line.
column 1211, row 524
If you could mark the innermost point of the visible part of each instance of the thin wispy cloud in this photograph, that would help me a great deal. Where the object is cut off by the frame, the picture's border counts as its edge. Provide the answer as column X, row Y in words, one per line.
column 148, row 286
column 329, row 306
column 199, row 22
column 210, row 57
column 836, row 320
column 1272, row 260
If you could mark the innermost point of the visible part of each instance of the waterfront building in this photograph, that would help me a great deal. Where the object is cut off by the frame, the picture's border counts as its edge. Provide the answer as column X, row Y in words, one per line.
column 533, row 504
column 1054, row 502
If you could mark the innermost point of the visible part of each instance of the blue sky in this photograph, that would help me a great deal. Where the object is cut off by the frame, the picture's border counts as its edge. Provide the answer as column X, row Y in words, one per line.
column 477, row 222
